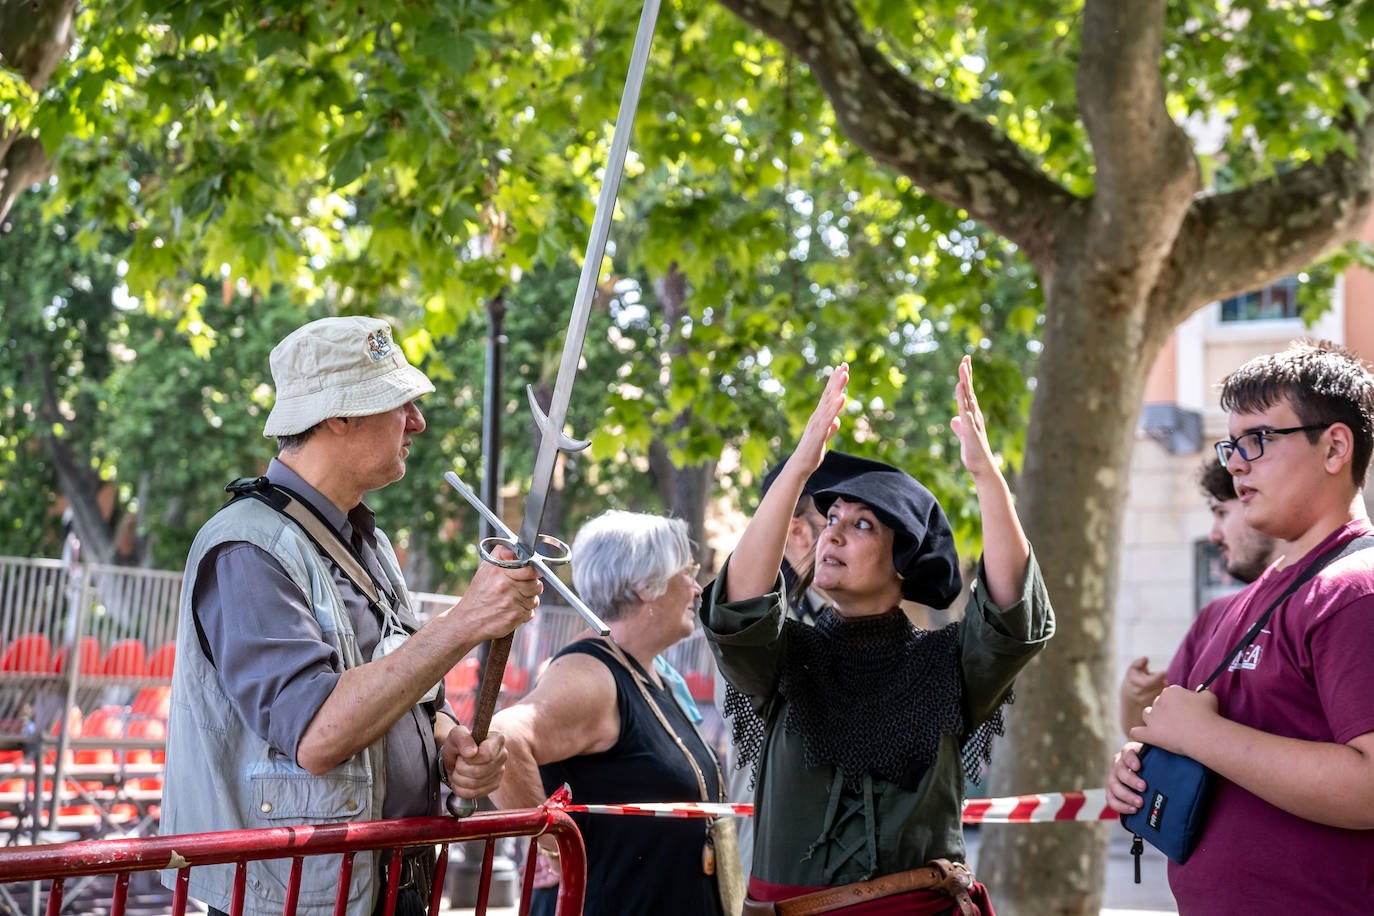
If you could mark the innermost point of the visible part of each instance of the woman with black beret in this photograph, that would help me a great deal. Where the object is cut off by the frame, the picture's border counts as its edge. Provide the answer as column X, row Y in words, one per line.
column 863, row 728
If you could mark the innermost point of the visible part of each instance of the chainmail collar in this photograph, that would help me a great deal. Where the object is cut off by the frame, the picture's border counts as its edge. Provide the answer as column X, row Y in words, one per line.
column 871, row 695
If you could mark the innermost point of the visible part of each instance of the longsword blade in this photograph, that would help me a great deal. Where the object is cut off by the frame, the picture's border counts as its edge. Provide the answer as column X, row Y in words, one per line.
column 552, row 439
column 551, row 427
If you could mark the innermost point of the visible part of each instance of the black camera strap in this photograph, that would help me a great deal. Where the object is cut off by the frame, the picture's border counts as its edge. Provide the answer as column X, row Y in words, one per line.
column 323, row 535
column 327, row 541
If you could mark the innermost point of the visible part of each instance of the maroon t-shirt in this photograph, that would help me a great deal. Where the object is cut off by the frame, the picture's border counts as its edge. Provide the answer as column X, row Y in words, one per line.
column 1308, row 675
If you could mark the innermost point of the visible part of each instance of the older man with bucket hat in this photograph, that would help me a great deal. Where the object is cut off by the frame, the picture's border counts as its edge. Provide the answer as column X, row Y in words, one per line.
column 305, row 690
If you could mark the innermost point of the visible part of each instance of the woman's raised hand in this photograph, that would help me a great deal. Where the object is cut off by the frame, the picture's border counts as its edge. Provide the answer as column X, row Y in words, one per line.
column 765, row 536
column 824, row 421
column 970, row 427
column 1006, row 552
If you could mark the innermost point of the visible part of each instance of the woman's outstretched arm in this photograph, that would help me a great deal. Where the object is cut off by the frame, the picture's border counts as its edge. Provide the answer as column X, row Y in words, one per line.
column 760, row 547
column 1005, row 548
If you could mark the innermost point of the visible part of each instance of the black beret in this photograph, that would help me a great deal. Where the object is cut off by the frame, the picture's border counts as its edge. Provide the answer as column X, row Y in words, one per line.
column 922, row 543
column 835, row 467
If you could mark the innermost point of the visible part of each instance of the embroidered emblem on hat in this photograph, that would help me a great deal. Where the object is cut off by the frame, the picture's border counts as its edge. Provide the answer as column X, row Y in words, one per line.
column 379, row 343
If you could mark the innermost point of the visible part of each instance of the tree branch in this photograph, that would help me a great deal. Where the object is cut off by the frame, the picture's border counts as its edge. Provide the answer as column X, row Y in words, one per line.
column 949, row 152
column 22, row 165
column 1256, row 235
column 34, row 37
column 1146, row 172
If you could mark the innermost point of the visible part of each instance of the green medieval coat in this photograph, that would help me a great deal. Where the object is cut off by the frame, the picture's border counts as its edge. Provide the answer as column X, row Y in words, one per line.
column 815, row 828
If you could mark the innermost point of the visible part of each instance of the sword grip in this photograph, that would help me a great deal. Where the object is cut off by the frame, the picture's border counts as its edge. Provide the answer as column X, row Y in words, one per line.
column 492, row 676
column 490, row 691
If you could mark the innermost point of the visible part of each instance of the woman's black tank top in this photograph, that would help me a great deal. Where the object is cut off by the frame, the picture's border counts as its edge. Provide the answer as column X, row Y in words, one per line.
column 635, row 863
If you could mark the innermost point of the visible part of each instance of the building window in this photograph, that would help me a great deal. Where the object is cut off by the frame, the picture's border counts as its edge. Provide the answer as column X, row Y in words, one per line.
column 1275, row 301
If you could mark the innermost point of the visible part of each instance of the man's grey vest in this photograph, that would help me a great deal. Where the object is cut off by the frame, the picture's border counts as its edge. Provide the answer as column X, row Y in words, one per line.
column 222, row 776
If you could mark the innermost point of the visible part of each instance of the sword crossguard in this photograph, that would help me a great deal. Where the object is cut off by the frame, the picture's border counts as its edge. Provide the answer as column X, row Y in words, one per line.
column 523, row 556
column 566, row 443
column 537, row 560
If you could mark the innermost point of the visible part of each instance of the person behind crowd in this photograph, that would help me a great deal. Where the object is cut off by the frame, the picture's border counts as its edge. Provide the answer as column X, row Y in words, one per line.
column 863, row 727
column 1245, row 553
column 603, row 720
column 1288, row 729
column 297, row 698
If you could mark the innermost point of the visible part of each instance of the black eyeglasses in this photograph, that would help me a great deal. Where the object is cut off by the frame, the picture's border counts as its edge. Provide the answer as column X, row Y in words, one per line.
column 1251, row 445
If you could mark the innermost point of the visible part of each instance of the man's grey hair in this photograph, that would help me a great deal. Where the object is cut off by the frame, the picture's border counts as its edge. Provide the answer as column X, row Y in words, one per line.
column 619, row 558
column 296, row 441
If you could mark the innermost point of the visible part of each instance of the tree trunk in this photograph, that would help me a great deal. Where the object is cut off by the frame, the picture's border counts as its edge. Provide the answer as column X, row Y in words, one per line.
column 1072, row 490
column 75, row 479
column 419, row 567
column 684, row 491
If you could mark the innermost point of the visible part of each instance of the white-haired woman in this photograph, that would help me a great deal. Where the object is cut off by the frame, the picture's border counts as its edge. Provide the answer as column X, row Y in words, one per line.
column 605, row 721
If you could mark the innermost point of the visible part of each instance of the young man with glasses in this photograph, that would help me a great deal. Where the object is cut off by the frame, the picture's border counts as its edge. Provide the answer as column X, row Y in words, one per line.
column 1289, row 727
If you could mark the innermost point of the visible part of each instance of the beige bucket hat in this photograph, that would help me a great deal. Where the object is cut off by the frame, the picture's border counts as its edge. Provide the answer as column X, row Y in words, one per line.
column 339, row 367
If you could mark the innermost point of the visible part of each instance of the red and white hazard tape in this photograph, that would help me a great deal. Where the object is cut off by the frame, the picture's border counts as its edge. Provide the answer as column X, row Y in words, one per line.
column 668, row 809
column 1087, row 805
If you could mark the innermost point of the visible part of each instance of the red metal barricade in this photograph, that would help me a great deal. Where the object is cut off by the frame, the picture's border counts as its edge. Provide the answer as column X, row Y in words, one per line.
column 59, row 862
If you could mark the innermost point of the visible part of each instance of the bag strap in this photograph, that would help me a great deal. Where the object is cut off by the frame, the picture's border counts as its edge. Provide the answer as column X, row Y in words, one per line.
column 619, row 654
column 327, row 541
column 938, row 876
column 324, row 536
column 1316, row 566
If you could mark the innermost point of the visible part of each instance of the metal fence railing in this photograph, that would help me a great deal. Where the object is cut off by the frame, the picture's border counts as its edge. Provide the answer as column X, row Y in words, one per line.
column 86, row 656
column 28, row 876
